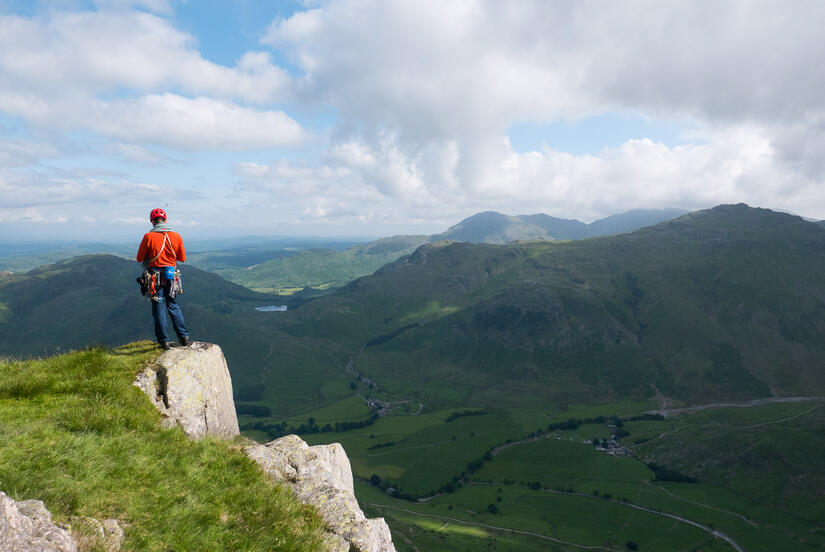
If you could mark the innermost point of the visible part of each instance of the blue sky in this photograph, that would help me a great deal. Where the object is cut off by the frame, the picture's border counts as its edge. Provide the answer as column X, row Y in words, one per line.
column 354, row 117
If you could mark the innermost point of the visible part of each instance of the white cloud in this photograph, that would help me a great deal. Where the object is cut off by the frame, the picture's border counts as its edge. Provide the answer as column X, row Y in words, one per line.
column 19, row 153
column 134, row 77
column 425, row 101
column 136, row 154
column 730, row 165
column 194, row 123
column 167, row 119
column 158, row 6
column 92, row 53
column 484, row 63
column 27, row 214
column 22, row 188
column 424, row 94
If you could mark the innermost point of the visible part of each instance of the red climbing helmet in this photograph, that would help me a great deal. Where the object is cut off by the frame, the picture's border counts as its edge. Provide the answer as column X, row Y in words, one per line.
column 157, row 213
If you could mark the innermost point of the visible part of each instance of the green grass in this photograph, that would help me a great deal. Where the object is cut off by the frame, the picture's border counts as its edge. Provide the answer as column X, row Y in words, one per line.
column 773, row 454
column 77, row 435
column 427, row 452
column 322, row 268
column 347, row 409
column 548, row 522
column 559, row 464
column 424, row 456
column 557, row 461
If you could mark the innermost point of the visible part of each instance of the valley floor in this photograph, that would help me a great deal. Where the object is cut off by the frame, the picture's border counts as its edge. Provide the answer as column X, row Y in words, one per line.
column 521, row 480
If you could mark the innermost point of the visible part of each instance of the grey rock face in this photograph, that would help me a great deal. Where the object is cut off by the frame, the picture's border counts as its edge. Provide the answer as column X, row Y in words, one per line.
column 321, row 476
column 191, row 387
column 26, row 526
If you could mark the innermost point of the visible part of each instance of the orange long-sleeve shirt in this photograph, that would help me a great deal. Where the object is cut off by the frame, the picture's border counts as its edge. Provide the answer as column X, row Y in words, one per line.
column 151, row 245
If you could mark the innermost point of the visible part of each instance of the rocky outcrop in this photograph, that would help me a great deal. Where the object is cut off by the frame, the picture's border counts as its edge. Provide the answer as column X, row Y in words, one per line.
column 191, row 387
column 27, row 526
column 321, row 476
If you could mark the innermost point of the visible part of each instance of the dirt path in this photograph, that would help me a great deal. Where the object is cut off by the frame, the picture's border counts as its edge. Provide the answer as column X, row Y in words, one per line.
column 709, row 530
column 666, row 412
column 786, row 419
column 713, row 532
column 493, row 527
column 702, row 504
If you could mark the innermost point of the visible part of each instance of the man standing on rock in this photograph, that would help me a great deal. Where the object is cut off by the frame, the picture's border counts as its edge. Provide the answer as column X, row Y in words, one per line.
column 160, row 251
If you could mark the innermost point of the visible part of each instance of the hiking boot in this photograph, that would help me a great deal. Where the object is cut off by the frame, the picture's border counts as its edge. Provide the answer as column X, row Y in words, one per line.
column 184, row 341
column 164, row 345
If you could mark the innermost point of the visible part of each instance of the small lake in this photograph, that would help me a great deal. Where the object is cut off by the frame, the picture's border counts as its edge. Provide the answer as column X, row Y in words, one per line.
column 272, row 308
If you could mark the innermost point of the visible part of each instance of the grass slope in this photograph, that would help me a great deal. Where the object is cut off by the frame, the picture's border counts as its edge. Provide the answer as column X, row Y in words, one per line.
column 492, row 227
column 77, row 435
column 328, row 268
column 718, row 304
column 322, row 267
column 773, row 454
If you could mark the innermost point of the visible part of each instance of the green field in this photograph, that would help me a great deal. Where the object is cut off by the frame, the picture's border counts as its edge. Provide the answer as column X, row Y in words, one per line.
column 557, row 485
column 773, row 454
column 529, row 520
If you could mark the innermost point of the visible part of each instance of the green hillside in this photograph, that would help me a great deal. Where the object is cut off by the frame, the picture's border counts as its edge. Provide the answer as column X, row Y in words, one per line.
column 492, row 227
column 724, row 304
column 94, row 300
column 79, row 436
column 545, row 478
column 322, row 268
column 718, row 304
column 330, row 268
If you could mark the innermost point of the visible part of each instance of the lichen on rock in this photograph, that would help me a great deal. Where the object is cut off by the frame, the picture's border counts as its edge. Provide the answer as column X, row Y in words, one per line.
column 321, row 476
column 192, row 388
column 27, row 526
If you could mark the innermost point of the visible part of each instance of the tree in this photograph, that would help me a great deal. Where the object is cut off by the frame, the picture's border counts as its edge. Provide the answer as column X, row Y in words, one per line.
column 631, row 545
column 375, row 480
column 492, row 508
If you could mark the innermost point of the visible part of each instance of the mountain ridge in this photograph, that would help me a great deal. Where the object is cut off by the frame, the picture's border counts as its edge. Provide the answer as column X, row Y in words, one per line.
column 335, row 268
column 611, row 314
column 495, row 227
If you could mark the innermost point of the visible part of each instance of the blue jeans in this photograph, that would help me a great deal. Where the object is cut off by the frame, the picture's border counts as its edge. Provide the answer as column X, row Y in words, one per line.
column 159, row 314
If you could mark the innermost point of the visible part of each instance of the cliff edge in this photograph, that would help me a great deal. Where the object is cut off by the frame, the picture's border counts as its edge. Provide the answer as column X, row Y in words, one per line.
column 191, row 387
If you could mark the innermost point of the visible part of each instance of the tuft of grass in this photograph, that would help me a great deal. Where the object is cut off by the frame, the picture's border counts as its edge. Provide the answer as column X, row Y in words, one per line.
column 79, row 436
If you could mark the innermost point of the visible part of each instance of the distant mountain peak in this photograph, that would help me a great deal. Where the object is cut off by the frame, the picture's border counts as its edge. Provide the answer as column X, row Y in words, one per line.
column 494, row 227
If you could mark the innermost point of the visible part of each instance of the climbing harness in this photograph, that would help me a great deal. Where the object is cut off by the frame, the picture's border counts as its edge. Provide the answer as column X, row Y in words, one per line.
column 153, row 281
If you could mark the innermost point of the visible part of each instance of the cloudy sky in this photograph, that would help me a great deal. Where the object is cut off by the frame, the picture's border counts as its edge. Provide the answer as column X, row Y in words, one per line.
column 356, row 117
